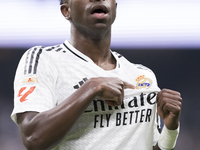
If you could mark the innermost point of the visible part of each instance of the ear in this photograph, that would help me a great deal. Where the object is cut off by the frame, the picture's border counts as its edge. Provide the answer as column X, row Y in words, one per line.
column 65, row 10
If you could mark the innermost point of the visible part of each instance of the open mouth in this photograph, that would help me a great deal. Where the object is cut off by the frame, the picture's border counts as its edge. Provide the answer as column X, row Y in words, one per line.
column 99, row 9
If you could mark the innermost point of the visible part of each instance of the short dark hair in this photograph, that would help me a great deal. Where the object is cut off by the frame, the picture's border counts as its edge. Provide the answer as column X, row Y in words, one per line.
column 61, row 2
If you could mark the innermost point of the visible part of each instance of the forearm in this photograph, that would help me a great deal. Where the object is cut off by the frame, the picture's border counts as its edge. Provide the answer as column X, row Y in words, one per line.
column 167, row 139
column 44, row 130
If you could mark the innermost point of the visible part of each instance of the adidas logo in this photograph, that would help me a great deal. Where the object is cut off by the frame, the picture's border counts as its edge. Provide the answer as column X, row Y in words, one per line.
column 80, row 83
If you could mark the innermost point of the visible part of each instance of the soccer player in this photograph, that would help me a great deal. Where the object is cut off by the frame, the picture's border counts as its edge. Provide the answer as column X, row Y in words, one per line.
column 80, row 95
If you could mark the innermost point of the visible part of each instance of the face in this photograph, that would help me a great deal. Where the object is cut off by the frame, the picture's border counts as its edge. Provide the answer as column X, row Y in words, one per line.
column 90, row 14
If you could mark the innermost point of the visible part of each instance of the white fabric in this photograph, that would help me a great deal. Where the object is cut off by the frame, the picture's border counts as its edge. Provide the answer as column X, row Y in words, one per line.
column 168, row 138
column 56, row 72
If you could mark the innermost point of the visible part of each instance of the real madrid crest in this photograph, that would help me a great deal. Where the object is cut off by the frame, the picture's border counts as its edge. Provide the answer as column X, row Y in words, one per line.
column 142, row 82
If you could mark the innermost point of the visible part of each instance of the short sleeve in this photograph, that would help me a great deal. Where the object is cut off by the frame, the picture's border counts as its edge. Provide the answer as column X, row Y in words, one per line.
column 34, row 82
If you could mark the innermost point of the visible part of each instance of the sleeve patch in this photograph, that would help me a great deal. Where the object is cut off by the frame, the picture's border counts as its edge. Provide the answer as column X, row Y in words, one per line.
column 28, row 80
column 23, row 93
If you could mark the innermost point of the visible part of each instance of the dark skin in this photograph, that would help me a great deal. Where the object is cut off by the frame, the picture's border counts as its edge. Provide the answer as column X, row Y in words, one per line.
column 90, row 34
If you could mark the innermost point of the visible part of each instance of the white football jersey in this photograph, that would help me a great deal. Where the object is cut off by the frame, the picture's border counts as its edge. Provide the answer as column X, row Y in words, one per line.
column 47, row 76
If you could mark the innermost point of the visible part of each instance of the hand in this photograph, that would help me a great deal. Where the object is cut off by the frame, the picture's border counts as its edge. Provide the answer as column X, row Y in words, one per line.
column 169, row 107
column 112, row 90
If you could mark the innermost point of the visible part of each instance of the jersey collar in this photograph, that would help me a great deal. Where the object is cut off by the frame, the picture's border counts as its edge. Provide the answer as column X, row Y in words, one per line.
column 82, row 56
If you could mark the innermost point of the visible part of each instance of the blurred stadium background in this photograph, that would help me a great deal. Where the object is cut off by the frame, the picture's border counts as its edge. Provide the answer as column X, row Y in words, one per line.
column 162, row 35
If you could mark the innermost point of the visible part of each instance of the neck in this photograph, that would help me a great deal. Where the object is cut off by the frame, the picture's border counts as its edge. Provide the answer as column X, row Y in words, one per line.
column 96, row 46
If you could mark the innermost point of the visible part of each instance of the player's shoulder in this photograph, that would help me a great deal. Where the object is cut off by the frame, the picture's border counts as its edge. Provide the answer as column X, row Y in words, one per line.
column 42, row 52
column 142, row 67
column 40, row 56
column 128, row 64
column 48, row 50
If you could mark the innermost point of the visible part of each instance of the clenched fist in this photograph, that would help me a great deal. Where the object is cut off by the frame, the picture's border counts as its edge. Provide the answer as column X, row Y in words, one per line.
column 111, row 90
column 169, row 107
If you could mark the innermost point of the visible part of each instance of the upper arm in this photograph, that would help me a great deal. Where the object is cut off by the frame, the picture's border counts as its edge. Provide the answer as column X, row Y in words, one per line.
column 28, row 126
column 24, row 122
column 26, row 116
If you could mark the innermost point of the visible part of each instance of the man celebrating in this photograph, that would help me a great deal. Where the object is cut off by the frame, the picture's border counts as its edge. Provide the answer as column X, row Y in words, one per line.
column 80, row 95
